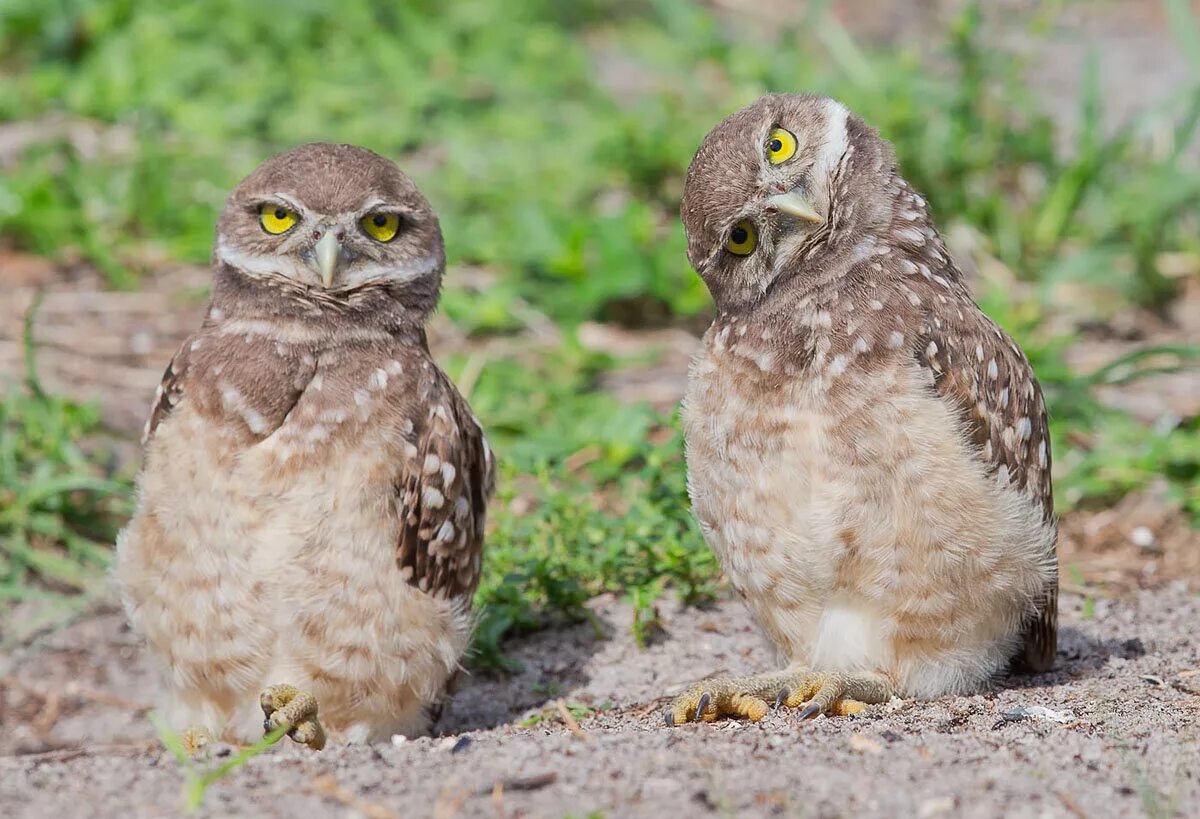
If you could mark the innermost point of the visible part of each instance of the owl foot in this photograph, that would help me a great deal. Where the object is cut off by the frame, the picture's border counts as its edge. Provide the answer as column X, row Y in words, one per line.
column 749, row 697
column 195, row 740
column 288, row 705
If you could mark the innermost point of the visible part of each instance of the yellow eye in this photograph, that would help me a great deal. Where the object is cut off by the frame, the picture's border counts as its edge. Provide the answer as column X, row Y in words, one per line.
column 276, row 219
column 742, row 239
column 382, row 227
column 781, row 146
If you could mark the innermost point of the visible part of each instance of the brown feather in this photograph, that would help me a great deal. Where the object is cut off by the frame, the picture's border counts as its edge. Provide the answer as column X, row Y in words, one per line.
column 443, row 496
column 984, row 375
column 170, row 390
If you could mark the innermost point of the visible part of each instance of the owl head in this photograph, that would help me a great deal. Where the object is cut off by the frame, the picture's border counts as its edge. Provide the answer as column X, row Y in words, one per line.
column 332, row 219
column 781, row 186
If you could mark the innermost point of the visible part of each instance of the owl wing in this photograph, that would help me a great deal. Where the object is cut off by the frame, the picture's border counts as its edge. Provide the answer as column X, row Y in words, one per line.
column 443, row 495
column 982, row 372
column 170, row 390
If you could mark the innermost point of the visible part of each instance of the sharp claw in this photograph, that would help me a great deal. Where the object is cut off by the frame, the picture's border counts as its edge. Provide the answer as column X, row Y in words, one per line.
column 705, row 699
column 811, row 710
column 781, row 696
column 670, row 719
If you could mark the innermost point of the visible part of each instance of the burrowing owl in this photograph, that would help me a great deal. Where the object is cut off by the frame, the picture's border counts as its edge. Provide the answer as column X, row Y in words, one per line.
column 311, row 509
column 867, row 451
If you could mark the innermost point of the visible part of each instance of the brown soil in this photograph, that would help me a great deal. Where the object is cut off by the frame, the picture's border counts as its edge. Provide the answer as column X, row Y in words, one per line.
column 1127, row 682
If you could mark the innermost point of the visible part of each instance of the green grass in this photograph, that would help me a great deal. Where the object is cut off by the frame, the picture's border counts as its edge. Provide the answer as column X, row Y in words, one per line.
column 562, row 188
column 58, row 509
column 197, row 779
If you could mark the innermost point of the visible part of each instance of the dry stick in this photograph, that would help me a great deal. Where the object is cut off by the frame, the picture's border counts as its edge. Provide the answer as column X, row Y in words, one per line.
column 1070, row 804
column 48, row 716
column 529, row 783
column 328, row 786
column 1087, row 591
column 105, row 697
column 570, row 721
column 64, row 754
column 78, row 691
column 450, row 800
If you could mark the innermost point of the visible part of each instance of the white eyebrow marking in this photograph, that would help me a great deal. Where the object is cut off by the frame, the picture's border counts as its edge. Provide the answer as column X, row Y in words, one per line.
column 289, row 201
column 372, row 205
column 836, row 137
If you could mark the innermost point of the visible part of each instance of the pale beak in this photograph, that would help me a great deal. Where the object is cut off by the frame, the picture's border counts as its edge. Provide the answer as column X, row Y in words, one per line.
column 328, row 252
column 793, row 203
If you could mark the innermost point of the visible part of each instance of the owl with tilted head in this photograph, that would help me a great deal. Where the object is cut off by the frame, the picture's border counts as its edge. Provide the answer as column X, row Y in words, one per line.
column 867, row 452
column 310, row 515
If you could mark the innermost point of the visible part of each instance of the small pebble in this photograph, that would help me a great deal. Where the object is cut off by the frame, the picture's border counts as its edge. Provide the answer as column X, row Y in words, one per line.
column 938, row 806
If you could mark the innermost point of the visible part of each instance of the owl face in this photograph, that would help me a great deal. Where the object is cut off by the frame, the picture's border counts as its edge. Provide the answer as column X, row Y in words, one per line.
column 331, row 217
column 762, row 193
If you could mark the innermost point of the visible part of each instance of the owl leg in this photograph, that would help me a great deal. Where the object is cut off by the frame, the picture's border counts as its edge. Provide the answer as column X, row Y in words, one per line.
column 824, row 693
column 288, row 705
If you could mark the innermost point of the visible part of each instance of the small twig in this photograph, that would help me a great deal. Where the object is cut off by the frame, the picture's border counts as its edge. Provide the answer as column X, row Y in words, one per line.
column 651, row 707
column 46, row 718
column 523, row 783
column 531, row 783
column 31, row 376
column 580, row 458
column 471, row 371
column 1070, row 804
column 76, row 691
column 106, row 698
column 498, row 799
column 570, row 721
column 65, row 754
column 450, row 800
column 328, row 786
column 1087, row 591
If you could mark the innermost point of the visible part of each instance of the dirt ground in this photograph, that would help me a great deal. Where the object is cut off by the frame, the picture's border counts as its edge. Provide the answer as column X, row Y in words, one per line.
column 1127, row 686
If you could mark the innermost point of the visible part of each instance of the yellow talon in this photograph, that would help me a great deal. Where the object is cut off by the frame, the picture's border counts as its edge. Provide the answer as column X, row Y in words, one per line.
column 847, row 708
column 195, row 739
column 286, row 705
column 819, row 693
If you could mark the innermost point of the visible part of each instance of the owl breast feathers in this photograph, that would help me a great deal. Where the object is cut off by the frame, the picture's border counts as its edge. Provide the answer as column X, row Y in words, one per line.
column 312, row 504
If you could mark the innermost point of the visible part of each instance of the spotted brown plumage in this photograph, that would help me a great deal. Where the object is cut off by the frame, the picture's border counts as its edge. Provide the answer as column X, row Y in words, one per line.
column 867, row 451
column 312, row 503
column 443, row 497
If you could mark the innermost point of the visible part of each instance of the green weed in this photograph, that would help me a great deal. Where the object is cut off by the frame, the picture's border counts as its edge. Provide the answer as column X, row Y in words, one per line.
column 58, row 508
column 197, row 780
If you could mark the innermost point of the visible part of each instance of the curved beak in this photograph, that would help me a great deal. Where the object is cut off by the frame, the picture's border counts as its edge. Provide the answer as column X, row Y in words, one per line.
column 328, row 252
column 795, row 204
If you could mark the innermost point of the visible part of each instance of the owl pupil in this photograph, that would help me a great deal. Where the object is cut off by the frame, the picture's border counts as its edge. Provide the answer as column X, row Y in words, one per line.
column 280, row 214
column 776, row 145
column 379, row 220
column 739, row 235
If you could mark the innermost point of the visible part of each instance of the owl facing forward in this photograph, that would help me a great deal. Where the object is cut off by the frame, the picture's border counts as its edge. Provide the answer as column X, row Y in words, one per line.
column 867, row 452
column 311, row 509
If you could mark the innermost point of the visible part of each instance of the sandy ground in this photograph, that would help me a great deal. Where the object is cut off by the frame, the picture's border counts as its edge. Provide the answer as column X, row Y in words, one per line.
column 1127, row 684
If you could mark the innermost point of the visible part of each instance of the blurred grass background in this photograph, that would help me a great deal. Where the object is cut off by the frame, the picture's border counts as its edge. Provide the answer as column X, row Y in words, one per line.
column 552, row 139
